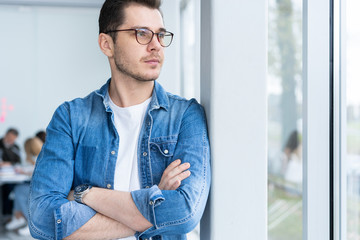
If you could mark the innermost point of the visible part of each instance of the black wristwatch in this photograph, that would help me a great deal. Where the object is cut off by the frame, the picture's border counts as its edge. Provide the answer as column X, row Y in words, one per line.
column 80, row 191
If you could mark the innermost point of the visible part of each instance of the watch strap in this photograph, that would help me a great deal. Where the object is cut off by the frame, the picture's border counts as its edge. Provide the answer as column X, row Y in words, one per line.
column 80, row 192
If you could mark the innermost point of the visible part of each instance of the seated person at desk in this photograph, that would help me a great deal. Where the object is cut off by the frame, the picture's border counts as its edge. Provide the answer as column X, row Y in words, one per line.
column 9, row 151
column 9, row 155
column 32, row 148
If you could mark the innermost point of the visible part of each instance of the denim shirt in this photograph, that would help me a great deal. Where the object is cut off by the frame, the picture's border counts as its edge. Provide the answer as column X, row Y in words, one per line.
column 81, row 147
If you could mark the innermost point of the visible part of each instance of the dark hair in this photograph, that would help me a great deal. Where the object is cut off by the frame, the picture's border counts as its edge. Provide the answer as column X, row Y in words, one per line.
column 112, row 13
column 41, row 135
column 293, row 141
column 13, row 131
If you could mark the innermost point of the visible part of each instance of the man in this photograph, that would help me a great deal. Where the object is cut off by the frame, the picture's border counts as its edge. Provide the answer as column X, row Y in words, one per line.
column 9, row 151
column 127, row 149
column 9, row 155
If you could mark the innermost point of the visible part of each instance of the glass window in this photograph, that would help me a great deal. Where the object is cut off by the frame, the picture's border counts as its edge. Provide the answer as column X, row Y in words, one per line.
column 285, row 120
column 352, row 73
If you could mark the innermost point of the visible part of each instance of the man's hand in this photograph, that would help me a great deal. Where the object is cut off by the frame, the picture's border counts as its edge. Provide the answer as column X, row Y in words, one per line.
column 173, row 175
column 5, row 164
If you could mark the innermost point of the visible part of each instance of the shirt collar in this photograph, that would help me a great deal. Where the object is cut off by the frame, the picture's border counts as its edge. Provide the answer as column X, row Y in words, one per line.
column 159, row 96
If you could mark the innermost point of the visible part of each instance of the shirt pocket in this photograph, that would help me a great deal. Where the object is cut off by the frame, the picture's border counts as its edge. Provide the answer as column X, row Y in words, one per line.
column 161, row 155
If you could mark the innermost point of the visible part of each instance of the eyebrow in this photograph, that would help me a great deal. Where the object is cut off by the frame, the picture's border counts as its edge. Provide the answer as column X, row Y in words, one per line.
column 160, row 29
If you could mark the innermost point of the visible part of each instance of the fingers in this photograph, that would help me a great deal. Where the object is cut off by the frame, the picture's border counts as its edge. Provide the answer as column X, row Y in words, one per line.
column 175, row 168
column 178, row 170
column 173, row 175
column 175, row 182
column 171, row 166
column 181, row 177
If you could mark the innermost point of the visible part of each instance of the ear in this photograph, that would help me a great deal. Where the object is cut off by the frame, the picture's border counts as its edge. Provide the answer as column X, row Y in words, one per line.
column 106, row 44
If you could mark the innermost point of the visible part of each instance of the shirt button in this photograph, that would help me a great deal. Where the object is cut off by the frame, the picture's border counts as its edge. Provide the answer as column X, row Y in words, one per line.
column 108, row 186
column 113, row 152
column 144, row 154
column 151, row 203
column 58, row 221
column 166, row 151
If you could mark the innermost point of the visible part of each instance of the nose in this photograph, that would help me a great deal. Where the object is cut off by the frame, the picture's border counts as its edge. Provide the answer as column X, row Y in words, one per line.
column 154, row 45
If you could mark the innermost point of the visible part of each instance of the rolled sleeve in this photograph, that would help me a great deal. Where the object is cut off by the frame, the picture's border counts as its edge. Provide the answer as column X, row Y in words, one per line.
column 146, row 200
column 71, row 216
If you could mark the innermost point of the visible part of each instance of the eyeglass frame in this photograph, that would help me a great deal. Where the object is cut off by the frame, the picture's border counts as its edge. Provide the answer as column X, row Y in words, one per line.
column 136, row 31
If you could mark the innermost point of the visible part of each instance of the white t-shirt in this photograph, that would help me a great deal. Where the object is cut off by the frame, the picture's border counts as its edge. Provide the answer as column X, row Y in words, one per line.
column 294, row 169
column 128, row 122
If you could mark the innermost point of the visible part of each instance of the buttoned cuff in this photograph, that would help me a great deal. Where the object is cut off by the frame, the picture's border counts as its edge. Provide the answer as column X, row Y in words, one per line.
column 70, row 216
column 146, row 200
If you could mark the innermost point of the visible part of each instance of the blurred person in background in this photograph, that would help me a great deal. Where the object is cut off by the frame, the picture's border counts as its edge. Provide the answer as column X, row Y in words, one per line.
column 9, row 156
column 292, row 159
column 9, row 151
column 32, row 148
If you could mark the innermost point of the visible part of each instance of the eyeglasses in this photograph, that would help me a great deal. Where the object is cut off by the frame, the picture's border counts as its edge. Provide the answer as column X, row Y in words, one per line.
column 144, row 36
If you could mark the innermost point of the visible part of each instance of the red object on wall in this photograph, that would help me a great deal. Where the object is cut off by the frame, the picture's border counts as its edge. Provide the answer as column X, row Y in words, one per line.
column 5, row 108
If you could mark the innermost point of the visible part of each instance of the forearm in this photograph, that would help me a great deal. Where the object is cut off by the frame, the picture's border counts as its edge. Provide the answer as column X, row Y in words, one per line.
column 117, row 205
column 120, row 205
column 101, row 227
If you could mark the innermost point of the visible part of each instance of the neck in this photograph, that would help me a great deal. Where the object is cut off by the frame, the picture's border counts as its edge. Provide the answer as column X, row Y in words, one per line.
column 129, row 92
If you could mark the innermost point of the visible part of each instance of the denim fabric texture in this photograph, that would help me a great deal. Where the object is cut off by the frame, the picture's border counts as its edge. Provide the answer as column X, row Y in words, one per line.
column 81, row 147
column 21, row 203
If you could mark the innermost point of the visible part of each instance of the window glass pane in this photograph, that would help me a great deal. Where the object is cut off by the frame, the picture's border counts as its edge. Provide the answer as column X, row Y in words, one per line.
column 352, row 73
column 285, row 120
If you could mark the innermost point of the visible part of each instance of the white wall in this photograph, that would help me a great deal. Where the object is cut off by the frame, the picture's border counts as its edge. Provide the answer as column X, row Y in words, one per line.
column 233, row 90
column 48, row 55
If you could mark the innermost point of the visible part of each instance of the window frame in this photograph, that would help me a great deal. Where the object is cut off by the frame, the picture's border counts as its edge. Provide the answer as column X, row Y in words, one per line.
column 317, row 116
column 340, row 121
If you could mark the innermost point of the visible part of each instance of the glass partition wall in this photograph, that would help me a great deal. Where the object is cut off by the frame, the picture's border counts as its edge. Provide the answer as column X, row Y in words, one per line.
column 350, row 67
column 285, row 120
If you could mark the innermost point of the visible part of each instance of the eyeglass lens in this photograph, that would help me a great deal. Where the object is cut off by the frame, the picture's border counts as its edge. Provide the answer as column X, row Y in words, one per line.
column 144, row 36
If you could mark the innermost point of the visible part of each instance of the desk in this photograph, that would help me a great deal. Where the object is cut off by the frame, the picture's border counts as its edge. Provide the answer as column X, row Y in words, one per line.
column 17, row 178
column 19, row 174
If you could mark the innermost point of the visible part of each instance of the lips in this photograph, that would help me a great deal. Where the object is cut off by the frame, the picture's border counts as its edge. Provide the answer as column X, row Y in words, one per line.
column 153, row 60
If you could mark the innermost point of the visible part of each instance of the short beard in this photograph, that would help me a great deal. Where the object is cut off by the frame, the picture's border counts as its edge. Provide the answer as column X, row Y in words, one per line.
column 123, row 68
